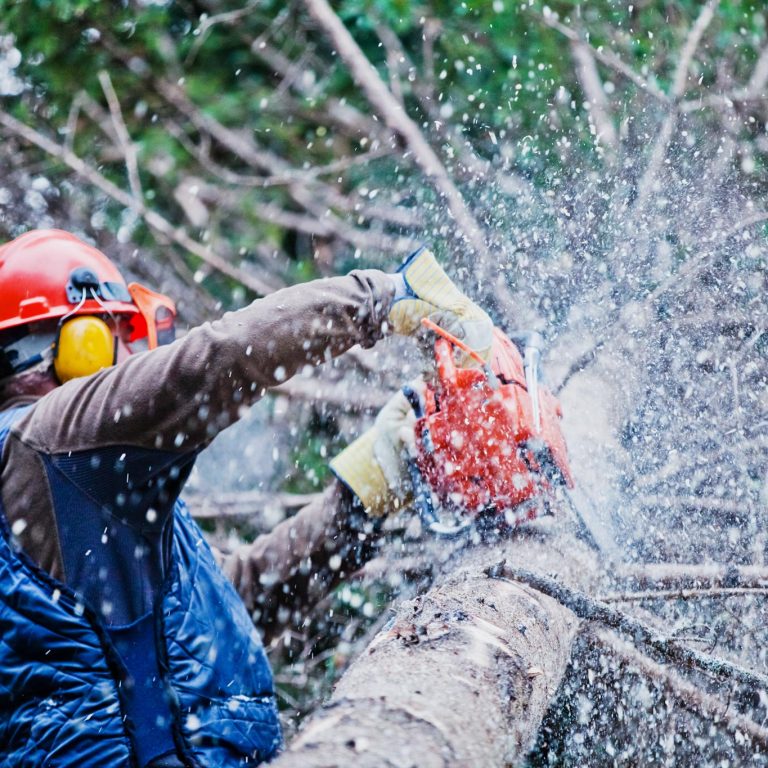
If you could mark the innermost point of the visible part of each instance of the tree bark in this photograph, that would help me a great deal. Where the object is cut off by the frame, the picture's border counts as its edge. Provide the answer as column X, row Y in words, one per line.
column 460, row 676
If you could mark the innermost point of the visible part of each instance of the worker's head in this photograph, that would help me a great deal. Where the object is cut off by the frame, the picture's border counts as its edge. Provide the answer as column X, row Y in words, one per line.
column 66, row 311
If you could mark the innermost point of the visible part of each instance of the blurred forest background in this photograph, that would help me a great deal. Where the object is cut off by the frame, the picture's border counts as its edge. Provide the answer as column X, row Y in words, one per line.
column 594, row 170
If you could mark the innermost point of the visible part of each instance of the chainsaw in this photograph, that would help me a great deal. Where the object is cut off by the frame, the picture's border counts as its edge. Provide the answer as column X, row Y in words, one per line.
column 488, row 440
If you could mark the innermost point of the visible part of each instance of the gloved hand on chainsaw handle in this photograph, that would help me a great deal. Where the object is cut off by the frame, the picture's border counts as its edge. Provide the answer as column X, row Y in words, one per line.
column 374, row 467
column 427, row 292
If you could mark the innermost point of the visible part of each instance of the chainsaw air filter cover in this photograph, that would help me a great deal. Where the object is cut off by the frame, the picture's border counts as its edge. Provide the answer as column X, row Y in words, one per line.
column 477, row 446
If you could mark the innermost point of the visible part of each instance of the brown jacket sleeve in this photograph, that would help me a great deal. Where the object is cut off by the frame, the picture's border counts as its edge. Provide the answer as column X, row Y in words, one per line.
column 294, row 566
column 177, row 398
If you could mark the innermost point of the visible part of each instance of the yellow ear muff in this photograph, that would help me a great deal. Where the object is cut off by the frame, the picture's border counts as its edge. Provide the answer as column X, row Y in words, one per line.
column 85, row 345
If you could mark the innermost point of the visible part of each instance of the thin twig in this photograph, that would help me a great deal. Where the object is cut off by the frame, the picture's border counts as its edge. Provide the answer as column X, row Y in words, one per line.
column 395, row 59
column 664, row 135
column 124, row 138
column 599, row 109
column 677, row 280
column 244, row 504
column 242, row 145
column 682, row 594
column 606, row 57
column 587, row 608
column 402, row 217
column 692, row 502
column 694, row 576
column 209, row 22
column 759, row 77
column 680, row 78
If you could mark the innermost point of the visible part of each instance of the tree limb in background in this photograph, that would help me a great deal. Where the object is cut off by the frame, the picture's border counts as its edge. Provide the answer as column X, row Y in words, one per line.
column 245, row 504
column 401, row 217
column 469, row 163
column 683, row 594
column 395, row 60
column 587, row 608
column 599, row 109
column 317, row 200
column 209, row 22
column 83, row 102
column 608, row 58
column 676, row 280
column 679, row 81
column 336, row 112
column 126, row 143
column 366, row 76
column 153, row 219
column 694, row 576
column 691, row 502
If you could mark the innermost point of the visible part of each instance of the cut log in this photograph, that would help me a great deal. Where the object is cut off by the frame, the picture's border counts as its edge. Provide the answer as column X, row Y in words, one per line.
column 460, row 676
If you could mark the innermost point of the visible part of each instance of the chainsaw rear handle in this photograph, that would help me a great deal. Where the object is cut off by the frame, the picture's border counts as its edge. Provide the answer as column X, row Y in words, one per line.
column 422, row 497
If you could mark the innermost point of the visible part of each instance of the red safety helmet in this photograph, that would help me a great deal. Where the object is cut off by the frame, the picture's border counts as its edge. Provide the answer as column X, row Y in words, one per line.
column 52, row 275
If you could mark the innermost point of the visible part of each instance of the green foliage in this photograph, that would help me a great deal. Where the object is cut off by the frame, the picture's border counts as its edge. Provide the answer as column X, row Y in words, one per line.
column 492, row 71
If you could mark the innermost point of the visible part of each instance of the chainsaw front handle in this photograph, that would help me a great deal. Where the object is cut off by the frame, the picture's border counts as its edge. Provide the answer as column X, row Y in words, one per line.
column 446, row 367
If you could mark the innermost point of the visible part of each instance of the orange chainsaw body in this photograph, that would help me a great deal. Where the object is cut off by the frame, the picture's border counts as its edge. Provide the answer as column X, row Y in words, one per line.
column 477, row 445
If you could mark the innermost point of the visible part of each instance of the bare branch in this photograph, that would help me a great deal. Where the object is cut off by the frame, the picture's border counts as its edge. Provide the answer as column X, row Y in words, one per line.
column 402, row 217
column 599, row 110
column 244, row 504
column 98, row 115
column 759, row 78
column 153, row 219
column 395, row 59
column 677, row 280
column 329, row 393
column 692, row 502
column 683, row 594
column 608, row 58
column 680, row 78
column 340, row 114
column 679, row 81
column 693, row 698
column 694, row 576
column 396, row 118
column 587, row 608
column 242, row 145
column 209, row 22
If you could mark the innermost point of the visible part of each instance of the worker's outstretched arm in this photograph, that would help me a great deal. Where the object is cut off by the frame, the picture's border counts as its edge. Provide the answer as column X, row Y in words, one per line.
column 301, row 560
column 177, row 398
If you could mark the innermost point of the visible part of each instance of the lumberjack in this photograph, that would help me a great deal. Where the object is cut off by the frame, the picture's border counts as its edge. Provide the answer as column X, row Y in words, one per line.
column 124, row 644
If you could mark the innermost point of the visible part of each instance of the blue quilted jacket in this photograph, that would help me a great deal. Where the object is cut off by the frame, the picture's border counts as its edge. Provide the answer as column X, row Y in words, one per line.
column 61, row 680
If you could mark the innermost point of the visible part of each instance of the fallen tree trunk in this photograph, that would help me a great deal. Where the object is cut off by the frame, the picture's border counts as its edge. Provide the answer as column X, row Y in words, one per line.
column 461, row 676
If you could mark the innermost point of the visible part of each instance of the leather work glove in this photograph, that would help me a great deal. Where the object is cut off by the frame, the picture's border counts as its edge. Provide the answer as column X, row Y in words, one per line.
column 374, row 467
column 429, row 292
